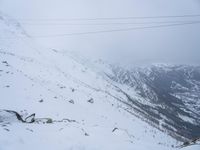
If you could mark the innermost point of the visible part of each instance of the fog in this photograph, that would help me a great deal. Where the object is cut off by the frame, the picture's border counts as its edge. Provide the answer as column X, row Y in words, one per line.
column 175, row 44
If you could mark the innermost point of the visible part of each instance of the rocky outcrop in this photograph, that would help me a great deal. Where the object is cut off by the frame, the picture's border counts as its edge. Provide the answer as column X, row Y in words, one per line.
column 10, row 116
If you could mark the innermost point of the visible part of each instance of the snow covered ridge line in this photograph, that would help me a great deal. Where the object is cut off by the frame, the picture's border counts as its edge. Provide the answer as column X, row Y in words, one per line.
column 11, row 25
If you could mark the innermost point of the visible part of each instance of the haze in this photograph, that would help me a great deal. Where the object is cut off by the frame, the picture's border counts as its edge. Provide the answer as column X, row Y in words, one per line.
column 177, row 44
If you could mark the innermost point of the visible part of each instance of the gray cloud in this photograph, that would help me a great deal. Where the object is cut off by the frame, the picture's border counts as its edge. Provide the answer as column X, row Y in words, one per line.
column 174, row 44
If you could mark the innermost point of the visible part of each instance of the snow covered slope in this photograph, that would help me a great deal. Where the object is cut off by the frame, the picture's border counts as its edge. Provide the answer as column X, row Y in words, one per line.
column 167, row 95
column 76, row 107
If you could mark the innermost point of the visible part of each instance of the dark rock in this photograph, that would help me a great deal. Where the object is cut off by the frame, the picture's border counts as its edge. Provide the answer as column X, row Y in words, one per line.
column 114, row 129
column 71, row 101
column 41, row 100
column 30, row 119
column 91, row 100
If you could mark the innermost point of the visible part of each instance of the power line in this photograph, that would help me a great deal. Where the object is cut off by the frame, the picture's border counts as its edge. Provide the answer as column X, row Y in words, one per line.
column 114, row 30
column 99, row 24
column 110, row 18
column 107, row 31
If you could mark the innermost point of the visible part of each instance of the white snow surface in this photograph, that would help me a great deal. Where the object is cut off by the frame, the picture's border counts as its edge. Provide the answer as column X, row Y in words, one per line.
column 37, row 80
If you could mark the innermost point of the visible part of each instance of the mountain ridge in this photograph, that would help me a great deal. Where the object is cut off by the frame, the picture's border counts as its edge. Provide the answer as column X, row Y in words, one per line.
column 63, row 87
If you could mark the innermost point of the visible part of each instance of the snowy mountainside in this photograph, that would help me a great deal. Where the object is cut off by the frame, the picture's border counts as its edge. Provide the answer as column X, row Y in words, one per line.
column 168, row 95
column 84, row 109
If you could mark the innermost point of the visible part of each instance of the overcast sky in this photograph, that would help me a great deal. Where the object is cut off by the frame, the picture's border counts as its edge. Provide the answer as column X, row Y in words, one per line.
column 179, row 44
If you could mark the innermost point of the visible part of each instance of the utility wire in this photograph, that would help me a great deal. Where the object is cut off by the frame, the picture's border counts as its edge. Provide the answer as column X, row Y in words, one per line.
column 111, row 18
column 106, row 31
column 115, row 30
column 99, row 24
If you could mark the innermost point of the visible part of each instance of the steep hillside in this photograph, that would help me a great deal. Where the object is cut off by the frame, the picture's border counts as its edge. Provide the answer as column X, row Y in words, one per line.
column 76, row 107
column 168, row 95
